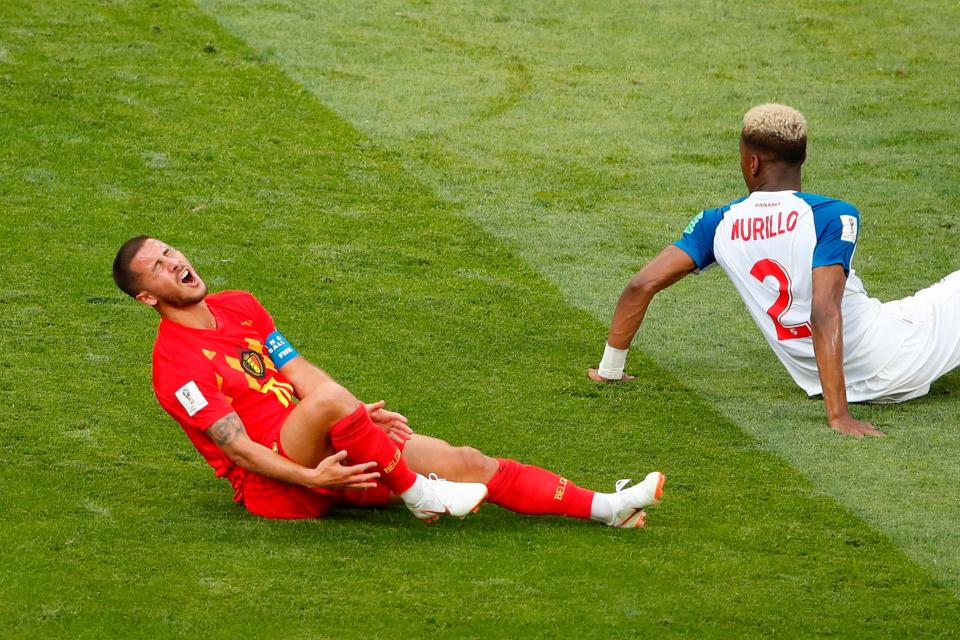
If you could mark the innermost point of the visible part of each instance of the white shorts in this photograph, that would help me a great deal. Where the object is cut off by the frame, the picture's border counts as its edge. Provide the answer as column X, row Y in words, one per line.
column 932, row 346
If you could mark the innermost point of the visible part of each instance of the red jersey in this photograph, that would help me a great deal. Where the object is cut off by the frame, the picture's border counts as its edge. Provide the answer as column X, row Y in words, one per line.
column 201, row 375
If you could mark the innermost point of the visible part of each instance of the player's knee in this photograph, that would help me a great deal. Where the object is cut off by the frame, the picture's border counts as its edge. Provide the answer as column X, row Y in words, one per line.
column 476, row 463
column 330, row 402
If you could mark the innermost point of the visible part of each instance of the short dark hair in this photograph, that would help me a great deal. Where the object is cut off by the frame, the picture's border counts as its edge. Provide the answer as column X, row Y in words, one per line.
column 788, row 151
column 123, row 275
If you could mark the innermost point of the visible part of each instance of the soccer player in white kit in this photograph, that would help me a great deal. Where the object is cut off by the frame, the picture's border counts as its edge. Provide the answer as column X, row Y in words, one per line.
column 788, row 253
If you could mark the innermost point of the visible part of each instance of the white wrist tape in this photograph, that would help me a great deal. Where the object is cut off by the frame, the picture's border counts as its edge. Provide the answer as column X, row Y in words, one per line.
column 614, row 360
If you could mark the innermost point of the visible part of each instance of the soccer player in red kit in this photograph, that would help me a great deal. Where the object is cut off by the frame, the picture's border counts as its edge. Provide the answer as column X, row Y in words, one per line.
column 293, row 443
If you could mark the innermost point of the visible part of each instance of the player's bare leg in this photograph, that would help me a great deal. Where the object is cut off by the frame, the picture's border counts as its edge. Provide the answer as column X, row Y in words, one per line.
column 330, row 418
column 427, row 455
column 531, row 490
column 305, row 435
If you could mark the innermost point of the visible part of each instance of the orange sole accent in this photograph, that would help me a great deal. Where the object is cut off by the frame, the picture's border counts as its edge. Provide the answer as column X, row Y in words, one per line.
column 636, row 521
column 659, row 491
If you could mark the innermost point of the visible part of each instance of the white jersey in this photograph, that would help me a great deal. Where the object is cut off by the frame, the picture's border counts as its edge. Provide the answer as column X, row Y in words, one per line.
column 768, row 243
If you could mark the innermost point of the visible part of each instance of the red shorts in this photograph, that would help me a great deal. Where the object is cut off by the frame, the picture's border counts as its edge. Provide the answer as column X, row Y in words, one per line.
column 271, row 498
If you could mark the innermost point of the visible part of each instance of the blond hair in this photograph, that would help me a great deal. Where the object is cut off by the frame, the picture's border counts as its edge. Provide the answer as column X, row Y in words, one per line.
column 776, row 129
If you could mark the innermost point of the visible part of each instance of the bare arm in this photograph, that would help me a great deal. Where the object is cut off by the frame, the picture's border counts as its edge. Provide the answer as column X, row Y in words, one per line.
column 304, row 376
column 670, row 266
column 230, row 435
column 826, row 323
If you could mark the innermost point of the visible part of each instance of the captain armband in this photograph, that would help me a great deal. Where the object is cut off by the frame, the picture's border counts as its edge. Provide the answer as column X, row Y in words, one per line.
column 279, row 350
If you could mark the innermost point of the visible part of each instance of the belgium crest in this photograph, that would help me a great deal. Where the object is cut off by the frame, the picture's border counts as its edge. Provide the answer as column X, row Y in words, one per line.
column 252, row 363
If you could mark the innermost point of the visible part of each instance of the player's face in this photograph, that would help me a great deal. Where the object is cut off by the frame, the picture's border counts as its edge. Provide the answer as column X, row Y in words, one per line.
column 166, row 277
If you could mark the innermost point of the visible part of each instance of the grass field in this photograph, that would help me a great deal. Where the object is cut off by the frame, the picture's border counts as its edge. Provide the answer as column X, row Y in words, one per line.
column 439, row 203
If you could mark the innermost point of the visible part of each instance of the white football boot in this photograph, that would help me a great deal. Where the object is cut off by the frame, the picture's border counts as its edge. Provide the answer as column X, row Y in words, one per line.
column 442, row 497
column 630, row 514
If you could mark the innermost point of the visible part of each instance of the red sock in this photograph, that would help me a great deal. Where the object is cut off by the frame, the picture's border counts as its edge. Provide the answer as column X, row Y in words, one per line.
column 364, row 442
column 535, row 491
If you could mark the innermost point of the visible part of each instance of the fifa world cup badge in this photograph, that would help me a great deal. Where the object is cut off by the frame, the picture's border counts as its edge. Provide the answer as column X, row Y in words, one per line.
column 190, row 397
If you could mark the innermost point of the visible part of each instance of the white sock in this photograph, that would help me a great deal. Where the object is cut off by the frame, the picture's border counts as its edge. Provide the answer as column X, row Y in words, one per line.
column 415, row 492
column 602, row 508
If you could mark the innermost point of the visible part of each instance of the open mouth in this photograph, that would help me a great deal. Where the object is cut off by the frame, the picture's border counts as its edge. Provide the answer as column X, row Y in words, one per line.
column 187, row 277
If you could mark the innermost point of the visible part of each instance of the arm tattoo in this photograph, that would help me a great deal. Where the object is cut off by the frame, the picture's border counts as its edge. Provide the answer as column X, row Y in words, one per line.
column 226, row 429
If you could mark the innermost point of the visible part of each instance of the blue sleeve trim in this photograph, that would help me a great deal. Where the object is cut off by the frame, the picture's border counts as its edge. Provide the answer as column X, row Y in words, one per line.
column 837, row 227
column 697, row 238
column 279, row 350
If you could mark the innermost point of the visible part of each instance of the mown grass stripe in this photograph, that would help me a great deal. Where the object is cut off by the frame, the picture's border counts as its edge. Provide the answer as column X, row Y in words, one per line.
column 585, row 136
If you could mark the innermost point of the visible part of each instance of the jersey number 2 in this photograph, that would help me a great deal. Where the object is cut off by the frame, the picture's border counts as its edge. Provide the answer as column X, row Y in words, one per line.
column 768, row 268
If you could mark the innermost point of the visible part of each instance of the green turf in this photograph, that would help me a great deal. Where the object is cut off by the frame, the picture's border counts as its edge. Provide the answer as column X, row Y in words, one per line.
column 119, row 119
column 585, row 136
